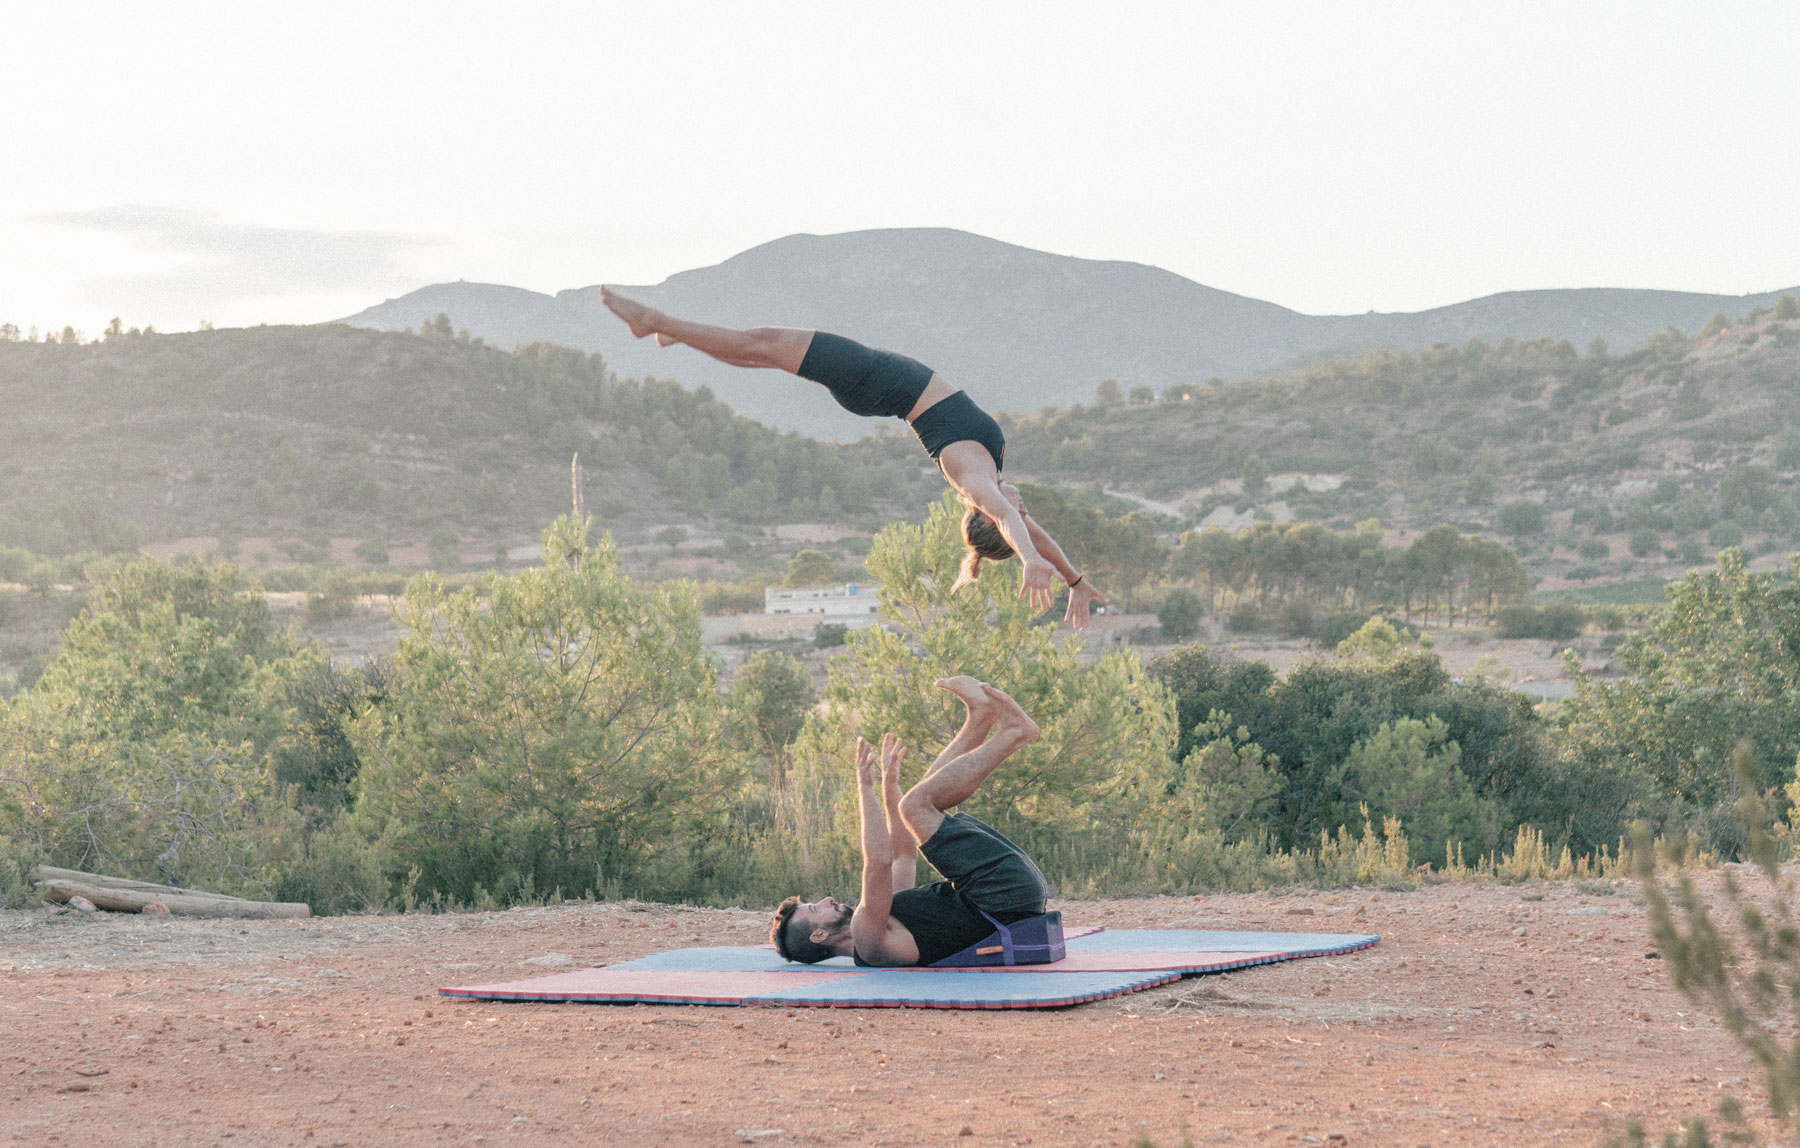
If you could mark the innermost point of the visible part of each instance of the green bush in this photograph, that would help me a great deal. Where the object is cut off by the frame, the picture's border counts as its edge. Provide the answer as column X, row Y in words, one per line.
column 332, row 597
column 1643, row 543
column 1294, row 618
column 1707, row 675
column 1723, row 534
column 1310, row 722
column 501, row 767
column 1330, row 631
column 373, row 551
column 1522, row 518
column 1556, row 623
column 1181, row 614
column 18, row 856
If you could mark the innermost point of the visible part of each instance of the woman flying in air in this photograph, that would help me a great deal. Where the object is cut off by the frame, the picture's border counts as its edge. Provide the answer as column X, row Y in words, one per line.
column 963, row 439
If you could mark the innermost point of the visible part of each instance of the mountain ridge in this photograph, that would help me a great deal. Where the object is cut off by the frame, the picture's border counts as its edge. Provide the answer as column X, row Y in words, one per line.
column 1020, row 328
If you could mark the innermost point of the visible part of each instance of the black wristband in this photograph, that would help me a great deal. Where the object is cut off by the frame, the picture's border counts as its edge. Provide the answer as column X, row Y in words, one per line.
column 1077, row 581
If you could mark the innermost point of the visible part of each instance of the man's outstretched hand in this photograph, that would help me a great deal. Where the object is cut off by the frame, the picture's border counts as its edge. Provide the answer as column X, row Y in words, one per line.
column 1081, row 595
column 866, row 763
column 892, row 752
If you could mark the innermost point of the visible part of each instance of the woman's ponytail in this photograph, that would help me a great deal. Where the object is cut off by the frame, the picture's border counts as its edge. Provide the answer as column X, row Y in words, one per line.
column 985, row 542
column 968, row 571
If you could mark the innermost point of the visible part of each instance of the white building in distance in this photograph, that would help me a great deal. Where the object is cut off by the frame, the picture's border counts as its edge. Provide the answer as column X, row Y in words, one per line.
column 850, row 600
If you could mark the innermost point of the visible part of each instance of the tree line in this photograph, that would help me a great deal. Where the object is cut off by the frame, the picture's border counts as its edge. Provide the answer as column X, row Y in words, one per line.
column 1267, row 566
column 561, row 731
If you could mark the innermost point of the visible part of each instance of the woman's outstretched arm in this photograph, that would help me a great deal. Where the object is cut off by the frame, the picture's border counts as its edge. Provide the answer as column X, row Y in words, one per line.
column 969, row 468
column 1081, row 591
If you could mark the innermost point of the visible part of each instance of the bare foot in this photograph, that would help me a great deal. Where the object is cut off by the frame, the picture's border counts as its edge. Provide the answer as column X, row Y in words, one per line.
column 640, row 319
column 1012, row 721
column 971, row 691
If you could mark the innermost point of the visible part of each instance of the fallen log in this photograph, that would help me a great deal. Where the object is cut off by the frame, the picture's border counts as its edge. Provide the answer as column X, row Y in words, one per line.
column 126, row 896
column 43, row 873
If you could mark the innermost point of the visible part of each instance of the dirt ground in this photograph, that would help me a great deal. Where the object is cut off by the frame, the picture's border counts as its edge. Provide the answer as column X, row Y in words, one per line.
column 1486, row 1015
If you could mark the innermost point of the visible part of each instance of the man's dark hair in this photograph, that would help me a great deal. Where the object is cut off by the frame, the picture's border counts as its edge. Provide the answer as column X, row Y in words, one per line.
column 788, row 943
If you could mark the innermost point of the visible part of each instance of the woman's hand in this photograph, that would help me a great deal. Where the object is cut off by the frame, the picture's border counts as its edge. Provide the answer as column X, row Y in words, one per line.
column 1080, row 596
column 1040, row 576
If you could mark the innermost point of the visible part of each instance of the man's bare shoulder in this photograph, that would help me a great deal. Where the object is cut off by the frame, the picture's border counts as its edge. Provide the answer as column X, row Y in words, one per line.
column 898, row 949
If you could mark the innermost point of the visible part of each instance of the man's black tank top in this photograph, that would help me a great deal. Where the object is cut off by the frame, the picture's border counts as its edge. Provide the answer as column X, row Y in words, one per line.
column 941, row 920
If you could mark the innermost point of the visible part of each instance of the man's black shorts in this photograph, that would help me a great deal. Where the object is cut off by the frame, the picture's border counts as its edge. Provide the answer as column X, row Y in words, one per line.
column 992, row 873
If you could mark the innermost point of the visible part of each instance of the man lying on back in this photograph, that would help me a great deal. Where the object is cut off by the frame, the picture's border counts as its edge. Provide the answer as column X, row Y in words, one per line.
column 894, row 923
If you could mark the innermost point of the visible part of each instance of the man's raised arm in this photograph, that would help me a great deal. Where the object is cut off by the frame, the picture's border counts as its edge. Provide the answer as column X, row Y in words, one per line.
column 869, row 925
column 905, row 845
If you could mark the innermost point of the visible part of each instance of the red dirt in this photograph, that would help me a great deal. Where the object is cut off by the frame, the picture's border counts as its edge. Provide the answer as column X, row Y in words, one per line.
column 1483, row 1017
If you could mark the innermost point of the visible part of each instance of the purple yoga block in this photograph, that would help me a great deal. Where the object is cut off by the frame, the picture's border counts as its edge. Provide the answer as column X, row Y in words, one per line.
column 1032, row 941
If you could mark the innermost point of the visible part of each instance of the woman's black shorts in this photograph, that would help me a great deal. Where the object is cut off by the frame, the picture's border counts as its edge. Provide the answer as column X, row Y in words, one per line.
column 863, row 380
column 876, row 384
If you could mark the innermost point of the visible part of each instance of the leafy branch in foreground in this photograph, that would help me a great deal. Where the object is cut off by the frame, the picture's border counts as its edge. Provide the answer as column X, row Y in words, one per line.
column 1748, row 978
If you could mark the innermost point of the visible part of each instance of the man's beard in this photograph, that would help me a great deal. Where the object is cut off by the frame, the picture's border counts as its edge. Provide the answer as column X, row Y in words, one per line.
column 845, row 912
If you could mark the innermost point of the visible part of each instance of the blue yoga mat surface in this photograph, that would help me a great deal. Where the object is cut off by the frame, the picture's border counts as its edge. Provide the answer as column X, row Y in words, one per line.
column 1215, row 941
column 1102, row 964
column 931, row 988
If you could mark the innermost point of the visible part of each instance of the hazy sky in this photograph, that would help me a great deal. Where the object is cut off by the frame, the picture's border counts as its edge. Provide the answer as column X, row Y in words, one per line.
column 251, row 163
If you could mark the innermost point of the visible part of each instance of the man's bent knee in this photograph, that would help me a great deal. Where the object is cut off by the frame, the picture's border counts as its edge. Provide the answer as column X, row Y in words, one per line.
column 921, row 815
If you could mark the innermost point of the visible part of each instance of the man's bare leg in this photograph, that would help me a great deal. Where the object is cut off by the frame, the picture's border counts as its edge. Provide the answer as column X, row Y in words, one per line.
column 982, row 713
column 783, row 348
column 951, row 783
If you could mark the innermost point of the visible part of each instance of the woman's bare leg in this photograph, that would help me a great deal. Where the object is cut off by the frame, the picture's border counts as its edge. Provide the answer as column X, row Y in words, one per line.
column 783, row 348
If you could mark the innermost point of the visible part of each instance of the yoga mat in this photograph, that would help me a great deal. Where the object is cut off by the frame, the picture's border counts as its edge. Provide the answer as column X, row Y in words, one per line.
column 1100, row 964
column 941, row 988
column 729, row 959
column 633, row 985
column 878, row 988
column 1213, row 941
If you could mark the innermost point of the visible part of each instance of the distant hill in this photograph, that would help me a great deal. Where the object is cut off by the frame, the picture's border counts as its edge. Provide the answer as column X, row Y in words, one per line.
column 334, row 431
column 1596, row 467
column 301, row 434
column 1019, row 328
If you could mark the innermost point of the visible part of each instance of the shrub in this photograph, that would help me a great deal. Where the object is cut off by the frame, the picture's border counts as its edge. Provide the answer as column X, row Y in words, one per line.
column 444, row 551
column 810, row 568
column 1378, row 638
column 506, row 766
column 1294, row 618
column 1522, row 518
column 731, row 598
column 1594, row 550
column 1181, row 614
column 1245, row 620
column 1723, row 534
column 1644, row 543
column 1329, row 632
column 1555, row 623
column 17, row 858
column 830, row 634
column 373, row 551
column 332, row 597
